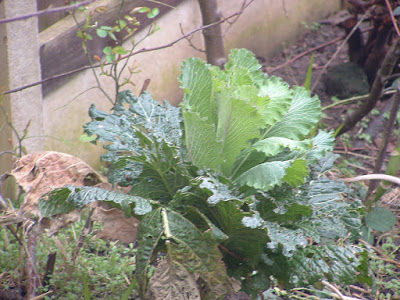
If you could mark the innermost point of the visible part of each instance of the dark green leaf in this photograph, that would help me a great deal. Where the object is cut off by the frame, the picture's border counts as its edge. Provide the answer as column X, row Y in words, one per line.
column 64, row 200
column 380, row 219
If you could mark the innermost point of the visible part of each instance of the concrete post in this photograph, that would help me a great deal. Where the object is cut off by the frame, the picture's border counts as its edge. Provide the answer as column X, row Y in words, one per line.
column 23, row 67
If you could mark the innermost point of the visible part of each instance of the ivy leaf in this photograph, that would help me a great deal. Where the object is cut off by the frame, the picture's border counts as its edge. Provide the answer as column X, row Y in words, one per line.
column 381, row 219
column 101, row 32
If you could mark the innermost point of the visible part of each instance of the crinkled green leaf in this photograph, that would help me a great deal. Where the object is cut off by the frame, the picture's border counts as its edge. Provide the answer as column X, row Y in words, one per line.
column 64, row 200
column 291, row 213
column 220, row 191
column 280, row 96
column 238, row 123
column 229, row 218
column 336, row 264
column 150, row 232
column 143, row 139
column 325, row 198
column 303, row 115
column 323, row 143
column 198, row 254
column 172, row 281
column 381, row 219
column 291, row 240
column 264, row 176
column 198, row 134
column 273, row 145
column 197, row 84
column 297, row 172
column 195, row 252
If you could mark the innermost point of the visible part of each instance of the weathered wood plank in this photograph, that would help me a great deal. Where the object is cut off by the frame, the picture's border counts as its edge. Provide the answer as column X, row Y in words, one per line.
column 61, row 49
column 46, row 21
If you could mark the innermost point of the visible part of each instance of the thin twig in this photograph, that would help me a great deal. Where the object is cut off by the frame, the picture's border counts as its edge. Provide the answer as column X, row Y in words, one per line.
column 271, row 70
column 352, row 99
column 189, row 39
column 394, row 22
column 42, row 295
column 143, row 50
column 386, row 69
column 380, row 252
column 46, row 11
column 334, row 41
column 385, row 141
column 338, row 50
column 337, row 293
column 384, row 177
column 234, row 20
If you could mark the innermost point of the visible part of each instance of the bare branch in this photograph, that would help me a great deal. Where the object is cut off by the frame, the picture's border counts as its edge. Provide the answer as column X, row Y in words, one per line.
column 234, row 20
column 385, row 70
column 385, row 177
column 143, row 50
column 392, row 18
column 47, row 11
column 337, row 51
column 189, row 39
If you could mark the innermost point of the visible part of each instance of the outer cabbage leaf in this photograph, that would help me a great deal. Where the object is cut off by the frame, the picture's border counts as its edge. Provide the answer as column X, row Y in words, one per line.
column 280, row 96
column 303, row 115
column 238, row 123
column 198, row 86
column 296, row 174
column 66, row 199
column 289, row 239
column 238, row 119
column 198, row 134
column 143, row 139
column 264, row 176
column 195, row 252
column 323, row 144
column 331, row 262
column 242, row 59
column 274, row 145
column 150, row 232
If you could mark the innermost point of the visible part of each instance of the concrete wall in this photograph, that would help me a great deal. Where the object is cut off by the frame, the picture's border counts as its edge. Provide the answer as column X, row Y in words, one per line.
column 262, row 28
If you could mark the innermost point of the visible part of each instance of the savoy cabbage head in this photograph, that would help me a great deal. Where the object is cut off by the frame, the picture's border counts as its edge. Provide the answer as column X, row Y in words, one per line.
column 229, row 186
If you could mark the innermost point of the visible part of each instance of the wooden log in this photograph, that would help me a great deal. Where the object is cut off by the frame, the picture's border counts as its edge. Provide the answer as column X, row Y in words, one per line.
column 61, row 49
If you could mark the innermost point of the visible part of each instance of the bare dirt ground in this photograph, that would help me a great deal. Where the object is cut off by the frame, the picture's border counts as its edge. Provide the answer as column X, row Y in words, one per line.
column 357, row 150
column 294, row 70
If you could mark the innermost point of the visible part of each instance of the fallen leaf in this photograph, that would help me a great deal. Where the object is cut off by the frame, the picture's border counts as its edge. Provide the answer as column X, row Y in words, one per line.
column 115, row 225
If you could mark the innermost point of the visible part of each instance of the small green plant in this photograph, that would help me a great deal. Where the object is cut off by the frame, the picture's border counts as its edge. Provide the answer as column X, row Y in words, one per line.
column 229, row 187
column 314, row 26
column 106, row 268
column 116, row 57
